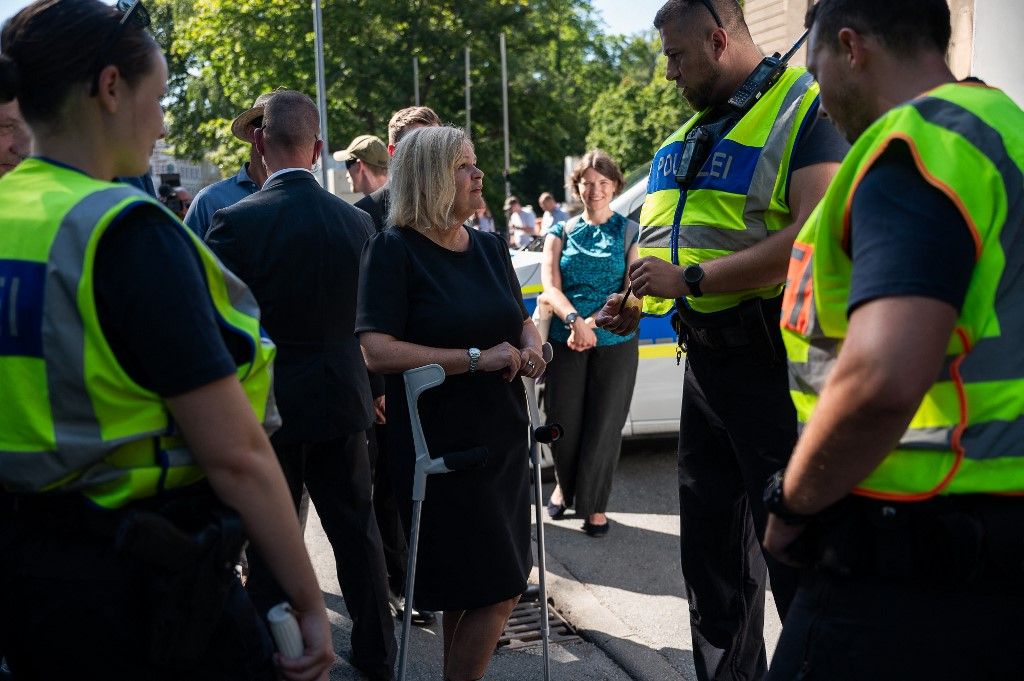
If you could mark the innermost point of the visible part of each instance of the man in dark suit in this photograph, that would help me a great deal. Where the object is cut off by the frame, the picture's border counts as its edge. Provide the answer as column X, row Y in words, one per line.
column 297, row 246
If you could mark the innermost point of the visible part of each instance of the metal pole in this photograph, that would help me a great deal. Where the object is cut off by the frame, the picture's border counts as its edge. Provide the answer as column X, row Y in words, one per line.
column 321, row 88
column 416, row 79
column 469, row 102
column 504, row 106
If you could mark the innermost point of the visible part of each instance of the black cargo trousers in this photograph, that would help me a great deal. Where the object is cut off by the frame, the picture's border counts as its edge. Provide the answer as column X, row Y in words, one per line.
column 147, row 591
column 736, row 428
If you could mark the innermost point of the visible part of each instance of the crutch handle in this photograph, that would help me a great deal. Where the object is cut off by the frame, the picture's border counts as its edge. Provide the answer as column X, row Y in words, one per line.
column 548, row 433
column 467, row 459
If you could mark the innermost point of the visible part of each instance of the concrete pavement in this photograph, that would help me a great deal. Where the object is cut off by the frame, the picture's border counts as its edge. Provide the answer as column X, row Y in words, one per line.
column 574, row 661
column 623, row 592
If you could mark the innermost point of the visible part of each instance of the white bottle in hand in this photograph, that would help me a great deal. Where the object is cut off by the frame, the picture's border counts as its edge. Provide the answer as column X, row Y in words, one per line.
column 285, row 629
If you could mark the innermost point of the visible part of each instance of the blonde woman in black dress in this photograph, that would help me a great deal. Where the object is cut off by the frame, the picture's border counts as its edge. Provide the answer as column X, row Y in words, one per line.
column 434, row 292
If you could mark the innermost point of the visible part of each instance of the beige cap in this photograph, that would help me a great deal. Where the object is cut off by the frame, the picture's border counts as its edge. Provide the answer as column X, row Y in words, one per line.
column 368, row 149
column 243, row 119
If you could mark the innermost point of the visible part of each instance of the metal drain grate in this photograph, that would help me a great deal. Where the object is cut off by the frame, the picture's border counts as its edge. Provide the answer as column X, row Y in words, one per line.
column 523, row 628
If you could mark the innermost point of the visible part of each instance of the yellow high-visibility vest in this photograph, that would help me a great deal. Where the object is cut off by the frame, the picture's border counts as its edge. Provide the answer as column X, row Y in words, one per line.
column 967, row 435
column 739, row 196
column 70, row 416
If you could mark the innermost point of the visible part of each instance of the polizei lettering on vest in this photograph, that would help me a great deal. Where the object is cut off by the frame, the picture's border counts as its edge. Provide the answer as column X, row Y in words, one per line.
column 21, row 289
column 717, row 166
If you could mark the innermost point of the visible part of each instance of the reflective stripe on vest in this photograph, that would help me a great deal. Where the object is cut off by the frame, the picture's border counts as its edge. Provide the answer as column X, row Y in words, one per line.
column 739, row 197
column 71, row 418
column 967, row 436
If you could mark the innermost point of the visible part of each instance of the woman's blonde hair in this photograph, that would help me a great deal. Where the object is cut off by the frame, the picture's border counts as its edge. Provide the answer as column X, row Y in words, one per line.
column 423, row 178
column 600, row 161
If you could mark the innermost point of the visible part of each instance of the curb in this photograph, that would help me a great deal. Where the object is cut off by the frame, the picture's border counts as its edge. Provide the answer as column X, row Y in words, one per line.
column 600, row 626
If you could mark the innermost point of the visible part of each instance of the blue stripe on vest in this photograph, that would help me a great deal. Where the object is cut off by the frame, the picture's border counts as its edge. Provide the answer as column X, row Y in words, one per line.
column 21, row 308
column 729, row 168
column 663, row 168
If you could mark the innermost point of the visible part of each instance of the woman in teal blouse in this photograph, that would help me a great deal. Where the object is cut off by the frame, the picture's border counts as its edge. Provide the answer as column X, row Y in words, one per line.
column 590, row 381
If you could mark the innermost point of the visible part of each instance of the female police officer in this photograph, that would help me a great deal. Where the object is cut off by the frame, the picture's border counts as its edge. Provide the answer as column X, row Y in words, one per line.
column 133, row 376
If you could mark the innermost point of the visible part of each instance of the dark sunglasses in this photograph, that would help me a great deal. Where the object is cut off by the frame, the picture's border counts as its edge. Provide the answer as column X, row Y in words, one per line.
column 714, row 13
column 351, row 162
column 132, row 12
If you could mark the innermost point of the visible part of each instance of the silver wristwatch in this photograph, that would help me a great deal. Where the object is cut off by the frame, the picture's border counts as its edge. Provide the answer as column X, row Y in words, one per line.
column 474, row 357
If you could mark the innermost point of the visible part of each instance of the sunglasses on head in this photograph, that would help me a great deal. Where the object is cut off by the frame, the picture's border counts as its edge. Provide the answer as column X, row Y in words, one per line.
column 714, row 13
column 132, row 12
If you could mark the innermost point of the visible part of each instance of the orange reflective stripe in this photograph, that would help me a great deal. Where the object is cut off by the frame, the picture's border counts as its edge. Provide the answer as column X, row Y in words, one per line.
column 798, row 295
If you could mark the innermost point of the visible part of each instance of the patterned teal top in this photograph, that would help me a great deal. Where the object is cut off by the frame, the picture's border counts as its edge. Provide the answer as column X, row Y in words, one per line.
column 593, row 267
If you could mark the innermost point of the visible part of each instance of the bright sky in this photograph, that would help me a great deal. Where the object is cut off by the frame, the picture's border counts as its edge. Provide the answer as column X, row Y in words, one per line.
column 9, row 7
column 622, row 16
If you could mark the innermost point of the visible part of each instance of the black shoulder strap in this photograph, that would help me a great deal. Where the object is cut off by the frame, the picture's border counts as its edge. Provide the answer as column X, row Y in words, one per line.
column 632, row 229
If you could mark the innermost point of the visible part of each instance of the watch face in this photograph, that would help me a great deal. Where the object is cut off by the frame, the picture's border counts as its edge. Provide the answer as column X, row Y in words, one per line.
column 693, row 274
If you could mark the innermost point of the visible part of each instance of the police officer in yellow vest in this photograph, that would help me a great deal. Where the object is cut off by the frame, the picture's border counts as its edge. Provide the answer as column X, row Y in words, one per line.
column 716, row 233
column 904, row 327
column 133, row 380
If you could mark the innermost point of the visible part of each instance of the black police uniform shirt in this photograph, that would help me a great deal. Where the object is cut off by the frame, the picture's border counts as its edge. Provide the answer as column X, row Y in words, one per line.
column 154, row 307
column 907, row 238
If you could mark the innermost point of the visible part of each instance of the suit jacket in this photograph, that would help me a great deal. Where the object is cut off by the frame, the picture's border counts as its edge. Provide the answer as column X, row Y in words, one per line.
column 297, row 247
column 376, row 204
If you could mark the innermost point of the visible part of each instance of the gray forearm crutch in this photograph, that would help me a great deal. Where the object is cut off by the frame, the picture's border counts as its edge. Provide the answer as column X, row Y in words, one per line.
column 416, row 382
column 540, row 434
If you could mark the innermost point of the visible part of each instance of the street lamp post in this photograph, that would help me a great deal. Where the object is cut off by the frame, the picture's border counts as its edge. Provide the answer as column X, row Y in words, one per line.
column 321, row 87
column 504, row 107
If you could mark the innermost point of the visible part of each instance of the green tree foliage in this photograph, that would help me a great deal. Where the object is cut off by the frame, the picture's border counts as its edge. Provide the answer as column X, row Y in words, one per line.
column 631, row 119
column 224, row 53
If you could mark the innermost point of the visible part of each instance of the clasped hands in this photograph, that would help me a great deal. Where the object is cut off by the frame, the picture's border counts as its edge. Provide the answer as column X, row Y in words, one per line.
column 512, row 361
column 648, row 276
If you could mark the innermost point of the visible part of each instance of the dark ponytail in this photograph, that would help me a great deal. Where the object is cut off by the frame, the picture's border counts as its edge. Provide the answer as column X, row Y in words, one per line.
column 53, row 45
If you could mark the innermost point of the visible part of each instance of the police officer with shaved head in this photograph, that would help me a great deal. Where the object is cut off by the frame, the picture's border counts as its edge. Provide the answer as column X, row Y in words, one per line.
column 726, row 195
column 904, row 329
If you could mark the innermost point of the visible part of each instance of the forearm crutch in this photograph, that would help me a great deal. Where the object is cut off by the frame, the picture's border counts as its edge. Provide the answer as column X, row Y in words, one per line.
column 540, row 434
column 418, row 381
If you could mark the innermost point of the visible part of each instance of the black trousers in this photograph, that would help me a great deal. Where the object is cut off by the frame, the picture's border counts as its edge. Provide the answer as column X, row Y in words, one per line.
column 73, row 608
column 916, row 591
column 588, row 394
column 737, row 427
column 337, row 475
column 396, row 549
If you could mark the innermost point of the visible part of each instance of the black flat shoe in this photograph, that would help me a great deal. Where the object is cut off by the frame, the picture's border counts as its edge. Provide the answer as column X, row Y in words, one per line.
column 556, row 511
column 593, row 530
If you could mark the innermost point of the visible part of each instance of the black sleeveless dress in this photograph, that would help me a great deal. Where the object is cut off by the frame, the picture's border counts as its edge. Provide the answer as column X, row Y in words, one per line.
column 475, row 530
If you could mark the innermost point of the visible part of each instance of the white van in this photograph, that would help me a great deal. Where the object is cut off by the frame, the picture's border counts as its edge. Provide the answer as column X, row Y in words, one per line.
column 659, row 382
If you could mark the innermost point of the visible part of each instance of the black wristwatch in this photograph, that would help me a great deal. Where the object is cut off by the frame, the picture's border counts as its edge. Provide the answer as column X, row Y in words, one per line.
column 693, row 275
column 774, row 502
column 570, row 318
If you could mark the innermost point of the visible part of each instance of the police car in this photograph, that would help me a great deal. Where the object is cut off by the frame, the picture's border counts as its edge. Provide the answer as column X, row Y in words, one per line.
column 659, row 381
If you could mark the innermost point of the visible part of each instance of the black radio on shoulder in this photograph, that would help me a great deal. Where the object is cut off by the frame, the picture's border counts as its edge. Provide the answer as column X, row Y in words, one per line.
column 762, row 78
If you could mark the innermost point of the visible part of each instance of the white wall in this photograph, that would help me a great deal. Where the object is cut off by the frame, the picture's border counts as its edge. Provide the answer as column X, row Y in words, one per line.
column 998, row 57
